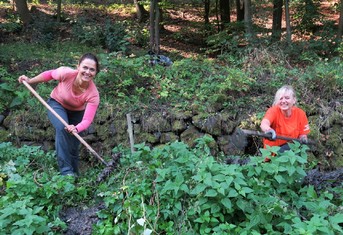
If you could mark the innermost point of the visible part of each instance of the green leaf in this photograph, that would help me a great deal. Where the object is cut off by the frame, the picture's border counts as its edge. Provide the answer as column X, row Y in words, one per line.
column 221, row 191
column 278, row 178
column 6, row 87
column 233, row 193
column 291, row 170
column 168, row 186
column 241, row 204
column 237, row 186
column 7, row 211
column 301, row 171
column 215, row 208
column 311, row 193
column 208, row 179
column 184, row 188
column 282, row 159
column 219, row 177
column 336, row 221
column 258, row 169
column 178, row 206
column 253, row 220
column 229, row 180
column 198, row 189
column 227, row 203
column 247, row 190
column 16, row 101
column 214, row 220
column 211, row 193
column 161, row 173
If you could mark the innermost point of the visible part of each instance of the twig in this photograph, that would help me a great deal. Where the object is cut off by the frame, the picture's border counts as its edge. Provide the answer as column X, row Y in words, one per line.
column 34, row 179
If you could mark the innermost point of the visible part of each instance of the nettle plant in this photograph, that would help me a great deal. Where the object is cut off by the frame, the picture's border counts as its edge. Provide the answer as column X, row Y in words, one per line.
column 32, row 193
column 178, row 190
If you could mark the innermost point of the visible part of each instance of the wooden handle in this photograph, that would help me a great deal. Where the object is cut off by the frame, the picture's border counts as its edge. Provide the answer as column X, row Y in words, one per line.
column 257, row 133
column 64, row 122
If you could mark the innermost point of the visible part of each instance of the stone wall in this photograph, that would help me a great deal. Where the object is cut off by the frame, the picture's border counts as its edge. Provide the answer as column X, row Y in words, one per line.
column 159, row 126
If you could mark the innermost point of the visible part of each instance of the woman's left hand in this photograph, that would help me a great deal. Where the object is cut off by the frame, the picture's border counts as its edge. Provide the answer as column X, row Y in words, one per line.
column 71, row 129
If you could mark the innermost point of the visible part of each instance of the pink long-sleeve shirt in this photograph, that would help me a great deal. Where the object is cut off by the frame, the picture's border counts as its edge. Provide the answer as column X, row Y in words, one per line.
column 63, row 94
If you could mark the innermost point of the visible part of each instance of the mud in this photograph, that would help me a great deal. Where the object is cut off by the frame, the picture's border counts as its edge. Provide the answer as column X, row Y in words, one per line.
column 80, row 221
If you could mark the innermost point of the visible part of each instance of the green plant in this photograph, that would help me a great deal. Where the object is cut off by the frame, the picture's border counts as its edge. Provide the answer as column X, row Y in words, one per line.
column 10, row 97
column 111, row 35
column 175, row 189
column 10, row 27
column 88, row 33
column 33, row 192
column 227, row 41
column 115, row 36
column 307, row 14
column 324, row 77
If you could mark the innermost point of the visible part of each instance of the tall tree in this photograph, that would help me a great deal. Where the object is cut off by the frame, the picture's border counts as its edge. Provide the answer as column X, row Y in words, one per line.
column 154, row 27
column 240, row 10
column 277, row 20
column 207, row 11
column 340, row 24
column 140, row 11
column 59, row 10
column 224, row 9
column 248, row 19
column 23, row 11
column 288, row 23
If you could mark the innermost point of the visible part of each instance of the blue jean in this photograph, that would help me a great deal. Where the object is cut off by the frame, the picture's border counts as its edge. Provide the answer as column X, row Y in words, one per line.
column 66, row 144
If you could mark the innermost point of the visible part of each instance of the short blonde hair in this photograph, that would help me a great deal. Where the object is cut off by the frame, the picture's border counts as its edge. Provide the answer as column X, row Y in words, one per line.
column 283, row 90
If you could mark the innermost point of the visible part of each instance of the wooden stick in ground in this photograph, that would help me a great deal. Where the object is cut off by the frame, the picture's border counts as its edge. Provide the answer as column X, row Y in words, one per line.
column 63, row 122
column 130, row 130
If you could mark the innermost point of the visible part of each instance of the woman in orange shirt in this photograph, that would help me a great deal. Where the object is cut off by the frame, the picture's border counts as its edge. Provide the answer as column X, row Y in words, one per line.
column 284, row 119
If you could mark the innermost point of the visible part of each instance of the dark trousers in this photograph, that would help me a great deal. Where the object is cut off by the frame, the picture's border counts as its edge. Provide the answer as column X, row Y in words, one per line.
column 284, row 147
column 66, row 144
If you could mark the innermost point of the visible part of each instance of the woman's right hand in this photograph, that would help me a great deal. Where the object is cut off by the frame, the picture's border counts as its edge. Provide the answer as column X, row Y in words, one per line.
column 23, row 78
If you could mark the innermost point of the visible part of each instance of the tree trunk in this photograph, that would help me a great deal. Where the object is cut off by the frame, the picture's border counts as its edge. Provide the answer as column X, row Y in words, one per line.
column 224, row 6
column 140, row 11
column 157, row 30
column 154, row 27
column 240, row 10
column 248, row 20
column 207, row 11
column 152, row 24
column 277, row 20
column 340, row 24
column 23, row 11
column 59, row 9
column 288, row 23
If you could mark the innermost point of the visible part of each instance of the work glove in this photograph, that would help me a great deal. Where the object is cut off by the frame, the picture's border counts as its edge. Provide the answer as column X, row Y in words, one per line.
column 303, row 140
column 272, row 134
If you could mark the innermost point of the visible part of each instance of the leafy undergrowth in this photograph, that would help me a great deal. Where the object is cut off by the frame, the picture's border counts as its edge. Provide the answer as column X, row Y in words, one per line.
column 169, row 190
column 172, row 189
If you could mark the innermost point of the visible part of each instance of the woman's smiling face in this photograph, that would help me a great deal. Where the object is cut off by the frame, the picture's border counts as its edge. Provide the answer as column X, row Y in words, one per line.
column 87, row 70
column 286, row 100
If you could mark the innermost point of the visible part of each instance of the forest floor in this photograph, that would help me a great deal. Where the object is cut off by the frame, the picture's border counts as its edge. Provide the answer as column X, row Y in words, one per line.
column 180, row 33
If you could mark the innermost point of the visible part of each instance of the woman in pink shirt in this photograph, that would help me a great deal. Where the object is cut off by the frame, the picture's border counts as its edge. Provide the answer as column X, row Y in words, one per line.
column 75, row 99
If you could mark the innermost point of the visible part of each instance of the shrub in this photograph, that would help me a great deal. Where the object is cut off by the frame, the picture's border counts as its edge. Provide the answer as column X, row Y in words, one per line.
column 175, row 189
